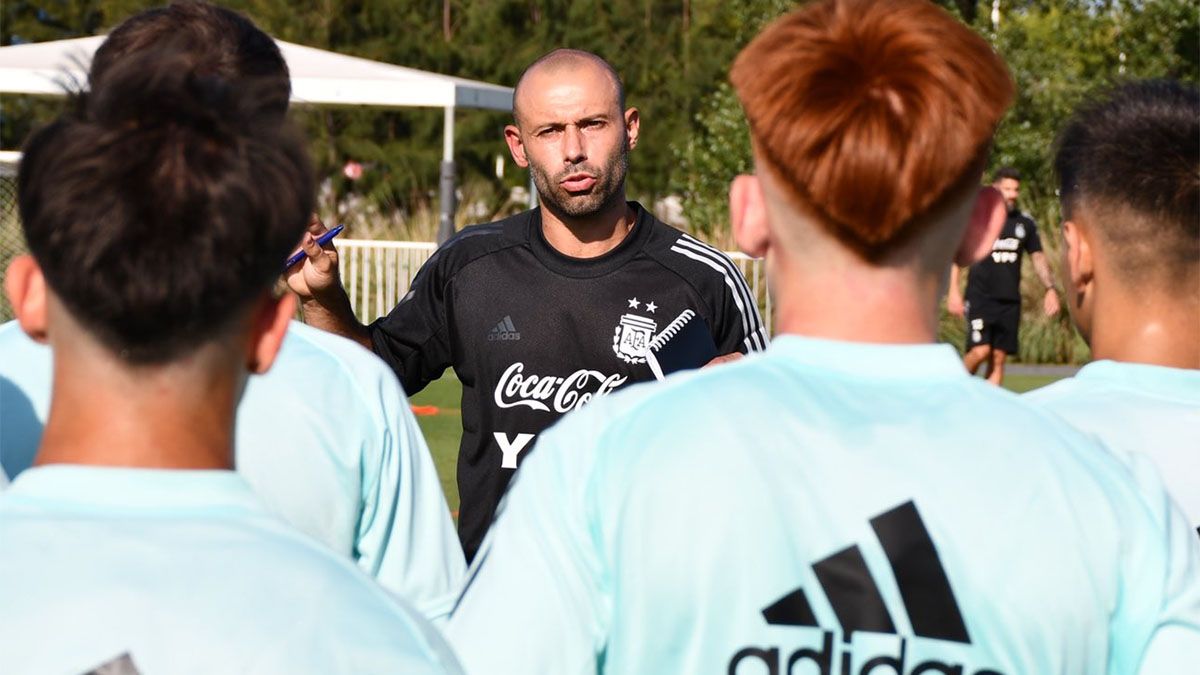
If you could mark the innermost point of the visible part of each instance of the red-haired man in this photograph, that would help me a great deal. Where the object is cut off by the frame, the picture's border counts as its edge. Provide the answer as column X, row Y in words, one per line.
column 831, row 506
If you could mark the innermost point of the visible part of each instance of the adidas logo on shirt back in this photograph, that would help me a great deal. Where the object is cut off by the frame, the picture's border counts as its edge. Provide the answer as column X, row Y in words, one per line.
column 854, row 596
column 504, row 331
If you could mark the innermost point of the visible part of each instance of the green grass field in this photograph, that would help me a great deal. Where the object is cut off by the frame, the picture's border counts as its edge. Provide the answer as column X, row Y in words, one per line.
column 443, row 430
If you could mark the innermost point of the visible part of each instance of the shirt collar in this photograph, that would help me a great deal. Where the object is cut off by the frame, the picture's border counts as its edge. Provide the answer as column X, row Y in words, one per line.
column 583, row 268
column 77, row 486
column 1177, row 383
column 871, row 360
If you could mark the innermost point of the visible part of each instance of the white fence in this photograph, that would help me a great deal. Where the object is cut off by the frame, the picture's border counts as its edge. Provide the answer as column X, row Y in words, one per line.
column 378, row 273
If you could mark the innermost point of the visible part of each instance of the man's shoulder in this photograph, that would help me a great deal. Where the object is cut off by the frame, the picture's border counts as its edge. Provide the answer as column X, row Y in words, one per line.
column 701, row 264
column 699, row 396
column 476, row 241
column 351, row 377
column 304, row 342
column 185, row 564
column 1055, row 393
column 747, row 392
column 1129, row 407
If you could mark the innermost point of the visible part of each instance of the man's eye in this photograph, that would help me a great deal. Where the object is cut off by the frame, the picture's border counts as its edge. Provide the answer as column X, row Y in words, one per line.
column 549, row 133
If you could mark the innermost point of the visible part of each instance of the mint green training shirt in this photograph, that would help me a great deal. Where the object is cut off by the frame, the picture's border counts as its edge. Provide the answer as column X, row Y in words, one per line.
column 832, row 508
column 325, row 438
column 1138, row 408
column 185, row 572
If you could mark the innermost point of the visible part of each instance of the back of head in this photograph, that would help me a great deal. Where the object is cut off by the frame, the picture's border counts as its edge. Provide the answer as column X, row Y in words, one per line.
column 1129, row 166
column 162, row 203
column 223, row 42
column 871, row 113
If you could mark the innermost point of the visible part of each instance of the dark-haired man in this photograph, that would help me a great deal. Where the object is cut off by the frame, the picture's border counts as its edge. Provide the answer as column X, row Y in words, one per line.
column 993, row 299
column 364, row 484
column 829, row 506
column 542, row 312
column 1128, row 166
column 132, row 540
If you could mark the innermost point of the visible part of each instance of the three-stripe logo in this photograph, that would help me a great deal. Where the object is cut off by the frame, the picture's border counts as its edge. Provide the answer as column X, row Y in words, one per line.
column 858, row 605
column 855, row 598
column 504, row 331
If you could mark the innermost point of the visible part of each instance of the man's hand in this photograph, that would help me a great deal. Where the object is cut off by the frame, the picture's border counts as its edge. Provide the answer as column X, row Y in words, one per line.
column 317, row 275
column 322, row 297
column 954, row 303
column 728, row 358
column 954, row 298
column 1050, row 303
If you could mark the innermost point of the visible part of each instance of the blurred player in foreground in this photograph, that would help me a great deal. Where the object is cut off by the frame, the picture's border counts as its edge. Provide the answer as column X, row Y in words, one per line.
column 993, row 300
column 158, row 209
column 348, row 467
column 831, row 506
column 1129, row 176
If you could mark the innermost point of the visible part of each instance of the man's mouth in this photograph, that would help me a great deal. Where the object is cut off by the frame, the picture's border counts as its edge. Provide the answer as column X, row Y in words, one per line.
column 578, row 182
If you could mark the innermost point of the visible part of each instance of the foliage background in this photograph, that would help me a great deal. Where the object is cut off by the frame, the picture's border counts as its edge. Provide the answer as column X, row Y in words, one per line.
column 674, row 56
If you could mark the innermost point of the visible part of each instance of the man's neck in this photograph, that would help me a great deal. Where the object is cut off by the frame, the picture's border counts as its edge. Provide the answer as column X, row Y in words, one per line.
column 104, row 414
column 591, row 236
column 884, row 305
column 1137, row 329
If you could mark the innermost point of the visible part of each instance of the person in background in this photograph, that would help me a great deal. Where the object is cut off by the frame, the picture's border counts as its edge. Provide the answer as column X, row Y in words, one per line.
column 993, row 300
column 1129, row 178
column 830, row 505
column 349, row 467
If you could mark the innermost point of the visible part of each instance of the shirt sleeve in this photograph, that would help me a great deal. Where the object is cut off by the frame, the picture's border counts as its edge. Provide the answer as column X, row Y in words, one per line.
column 534, row 600
column 414, row 338
column 1033, row 243
column 1157, row 629
column 406, row 539
column 739, row 326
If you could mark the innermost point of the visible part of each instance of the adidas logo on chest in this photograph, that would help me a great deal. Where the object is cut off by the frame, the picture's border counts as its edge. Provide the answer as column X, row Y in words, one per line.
column 504, row 331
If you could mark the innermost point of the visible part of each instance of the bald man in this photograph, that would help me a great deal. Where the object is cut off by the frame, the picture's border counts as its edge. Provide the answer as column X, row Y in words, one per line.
column 541, row 312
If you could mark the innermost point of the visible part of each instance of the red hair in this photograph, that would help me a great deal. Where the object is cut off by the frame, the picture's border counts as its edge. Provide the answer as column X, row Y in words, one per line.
column 870, row 111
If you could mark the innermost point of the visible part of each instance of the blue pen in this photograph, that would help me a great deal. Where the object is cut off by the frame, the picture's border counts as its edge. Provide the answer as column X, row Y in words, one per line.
column 321, row 241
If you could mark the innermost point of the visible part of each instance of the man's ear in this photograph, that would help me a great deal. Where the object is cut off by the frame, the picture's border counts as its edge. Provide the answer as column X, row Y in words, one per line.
column 26, row 288
column 268, row 324
column 633, row 124
column 1079, row 264
column 512, row 136
column 987, row 220
column 748, row 216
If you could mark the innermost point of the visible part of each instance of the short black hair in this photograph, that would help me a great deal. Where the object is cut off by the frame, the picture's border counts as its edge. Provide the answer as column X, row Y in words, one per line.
column 224, row 43
column 571, row 57
column 1006, row 172
column 163, row 202
column 1131, row 161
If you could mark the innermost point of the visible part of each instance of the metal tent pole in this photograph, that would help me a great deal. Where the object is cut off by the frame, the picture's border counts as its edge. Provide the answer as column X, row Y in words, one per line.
column 448, row 198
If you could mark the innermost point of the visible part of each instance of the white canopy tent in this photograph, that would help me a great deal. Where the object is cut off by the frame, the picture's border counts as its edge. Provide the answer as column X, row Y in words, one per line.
column 319, row 77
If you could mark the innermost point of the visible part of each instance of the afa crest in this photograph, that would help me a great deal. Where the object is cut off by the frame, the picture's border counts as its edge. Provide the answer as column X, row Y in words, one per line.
column 632, row 337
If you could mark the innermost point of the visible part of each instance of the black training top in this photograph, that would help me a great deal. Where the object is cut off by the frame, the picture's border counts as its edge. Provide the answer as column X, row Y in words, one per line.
column 533, row 334
column 998, row 276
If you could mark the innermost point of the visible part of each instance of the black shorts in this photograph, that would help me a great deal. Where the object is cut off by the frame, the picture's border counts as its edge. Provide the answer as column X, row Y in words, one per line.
column 992, row 322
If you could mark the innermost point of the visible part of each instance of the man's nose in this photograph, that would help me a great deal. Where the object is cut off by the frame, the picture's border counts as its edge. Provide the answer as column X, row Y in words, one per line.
column 573, row 146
